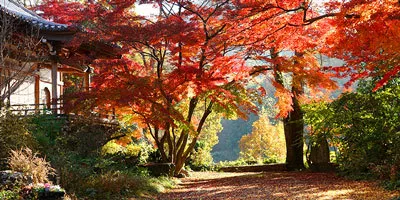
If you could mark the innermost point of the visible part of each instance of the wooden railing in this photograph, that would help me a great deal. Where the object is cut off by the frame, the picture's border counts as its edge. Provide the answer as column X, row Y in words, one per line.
column 34, row 109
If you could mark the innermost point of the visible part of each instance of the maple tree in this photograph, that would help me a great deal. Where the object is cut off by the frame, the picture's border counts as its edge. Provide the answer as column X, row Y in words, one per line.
column 170, row 67
column 294, row 57
column 197, row 52
column 361, row 33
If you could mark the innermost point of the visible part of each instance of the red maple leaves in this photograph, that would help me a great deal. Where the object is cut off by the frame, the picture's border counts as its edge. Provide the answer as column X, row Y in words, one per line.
column 192, row 49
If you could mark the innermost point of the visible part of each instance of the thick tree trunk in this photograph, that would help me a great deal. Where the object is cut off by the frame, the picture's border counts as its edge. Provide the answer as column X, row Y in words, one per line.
column 293, row 123
column 293, row 127
column 319, row 155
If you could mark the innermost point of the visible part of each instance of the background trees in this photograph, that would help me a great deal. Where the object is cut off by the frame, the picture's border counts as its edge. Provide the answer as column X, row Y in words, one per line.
column 365, row 127
column 266, row 143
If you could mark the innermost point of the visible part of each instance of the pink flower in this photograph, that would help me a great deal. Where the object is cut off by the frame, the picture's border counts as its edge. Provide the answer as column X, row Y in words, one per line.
column 46, row 187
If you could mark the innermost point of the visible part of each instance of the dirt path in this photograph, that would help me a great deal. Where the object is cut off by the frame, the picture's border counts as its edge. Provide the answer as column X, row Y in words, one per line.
column 271, row 185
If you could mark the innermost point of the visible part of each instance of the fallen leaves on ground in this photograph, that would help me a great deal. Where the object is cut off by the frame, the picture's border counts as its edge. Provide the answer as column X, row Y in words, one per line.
column 273, row 185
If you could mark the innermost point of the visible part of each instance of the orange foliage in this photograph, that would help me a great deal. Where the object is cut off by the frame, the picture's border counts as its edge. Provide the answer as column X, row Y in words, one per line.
column 366, row 36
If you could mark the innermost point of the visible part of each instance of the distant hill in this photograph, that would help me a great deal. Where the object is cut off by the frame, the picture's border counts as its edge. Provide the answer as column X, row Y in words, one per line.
column 227, row 148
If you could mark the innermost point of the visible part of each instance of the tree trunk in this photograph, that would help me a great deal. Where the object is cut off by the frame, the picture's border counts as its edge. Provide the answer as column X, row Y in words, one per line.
column 293, row 123
column 319, row 155
column 293, row 127
column 182, row 156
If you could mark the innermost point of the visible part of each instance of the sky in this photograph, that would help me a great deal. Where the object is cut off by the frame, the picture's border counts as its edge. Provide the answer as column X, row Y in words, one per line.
column 151, row 10
column 146, row 10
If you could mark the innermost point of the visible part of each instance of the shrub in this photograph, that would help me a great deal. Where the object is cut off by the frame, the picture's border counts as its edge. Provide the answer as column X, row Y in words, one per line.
column 10, row 194
column 365, row 126
column 13, row 180
column 132, row 154
column 111, row 148
column 238, row 162
column 29, row 163
column 13, row 133
column 111, row 184
column 86, row 135
column 46, row 130
column 114, row 185
column 200, row 160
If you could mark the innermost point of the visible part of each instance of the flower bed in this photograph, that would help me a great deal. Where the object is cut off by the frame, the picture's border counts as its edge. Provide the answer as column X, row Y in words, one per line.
column 43, row 192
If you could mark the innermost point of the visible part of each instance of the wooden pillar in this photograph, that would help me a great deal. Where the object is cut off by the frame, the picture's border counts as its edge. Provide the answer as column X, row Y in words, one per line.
column 37, row 93
column 61, row 86
column 54, row 81
column 86, row 80
column 61, row 102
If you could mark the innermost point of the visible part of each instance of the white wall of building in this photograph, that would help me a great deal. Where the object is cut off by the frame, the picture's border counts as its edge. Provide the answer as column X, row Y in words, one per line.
column 26, row 92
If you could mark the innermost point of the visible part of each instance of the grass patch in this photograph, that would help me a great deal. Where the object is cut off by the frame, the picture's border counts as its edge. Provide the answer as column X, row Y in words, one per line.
column 123, row 185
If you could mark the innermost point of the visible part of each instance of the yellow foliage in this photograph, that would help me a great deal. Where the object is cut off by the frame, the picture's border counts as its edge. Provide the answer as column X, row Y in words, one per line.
column 112, row 148
column 266, row 141
column 132, row 150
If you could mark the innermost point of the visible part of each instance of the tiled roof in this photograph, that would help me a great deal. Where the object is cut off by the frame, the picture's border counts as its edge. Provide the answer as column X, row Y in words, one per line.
column 16, row 10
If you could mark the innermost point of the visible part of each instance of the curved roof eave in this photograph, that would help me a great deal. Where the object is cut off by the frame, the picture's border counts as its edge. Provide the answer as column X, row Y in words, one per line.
column 18, row 11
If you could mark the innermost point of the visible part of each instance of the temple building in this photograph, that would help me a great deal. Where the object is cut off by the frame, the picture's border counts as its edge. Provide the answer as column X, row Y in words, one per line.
column 35, row 59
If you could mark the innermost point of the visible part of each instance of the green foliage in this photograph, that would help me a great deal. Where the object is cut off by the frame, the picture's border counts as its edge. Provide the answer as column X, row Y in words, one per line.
column 105, row 178
column 10, row 194
column 132, row 154
column 88, row 169
column 201, row 158
column 99, row 179
column 366, row 128
column 11, row 180
column 46, row 129
column 86, row 135
column 238, row 162
column 111, row 148
column 117, row 185
column 392, row 185
column 14, row 133
column 146, row 150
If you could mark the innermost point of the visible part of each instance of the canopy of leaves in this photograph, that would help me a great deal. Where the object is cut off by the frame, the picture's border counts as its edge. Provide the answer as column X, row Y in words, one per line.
column 365, row 35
